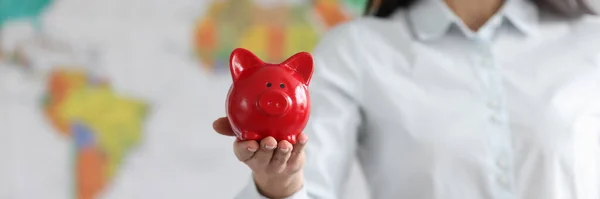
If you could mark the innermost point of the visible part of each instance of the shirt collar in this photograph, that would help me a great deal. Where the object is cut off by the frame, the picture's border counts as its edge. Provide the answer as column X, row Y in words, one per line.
column 431, row 19
column 523, row 14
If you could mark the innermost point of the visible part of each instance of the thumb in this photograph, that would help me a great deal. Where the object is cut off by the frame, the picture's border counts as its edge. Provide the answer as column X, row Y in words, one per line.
column 223, row 127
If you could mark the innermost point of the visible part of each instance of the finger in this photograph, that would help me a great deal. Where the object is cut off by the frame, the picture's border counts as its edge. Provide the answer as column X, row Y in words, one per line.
column 223, row 127
column 281, row 156
column 297, row 152
column 263, row 156
column 245, row 150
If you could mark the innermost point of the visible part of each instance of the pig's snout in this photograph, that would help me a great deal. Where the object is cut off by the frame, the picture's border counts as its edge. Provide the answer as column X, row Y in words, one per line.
column 274, row 103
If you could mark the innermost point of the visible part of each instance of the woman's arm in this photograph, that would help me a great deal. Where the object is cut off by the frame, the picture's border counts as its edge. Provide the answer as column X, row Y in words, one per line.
column 332, row 131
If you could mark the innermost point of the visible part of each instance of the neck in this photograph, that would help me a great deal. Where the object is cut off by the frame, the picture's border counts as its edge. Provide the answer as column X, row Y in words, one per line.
column 474, row 13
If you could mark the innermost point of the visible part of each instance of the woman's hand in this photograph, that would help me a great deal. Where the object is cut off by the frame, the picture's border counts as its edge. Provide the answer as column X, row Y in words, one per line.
column 276, row 167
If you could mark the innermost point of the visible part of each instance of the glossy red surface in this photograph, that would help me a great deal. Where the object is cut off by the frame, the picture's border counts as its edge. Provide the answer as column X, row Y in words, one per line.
column 269, row 99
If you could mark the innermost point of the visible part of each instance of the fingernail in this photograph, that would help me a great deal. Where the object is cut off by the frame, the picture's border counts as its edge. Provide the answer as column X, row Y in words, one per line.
column 303, row 140
column 252, row 149
column 285, row 150
column 269, row 147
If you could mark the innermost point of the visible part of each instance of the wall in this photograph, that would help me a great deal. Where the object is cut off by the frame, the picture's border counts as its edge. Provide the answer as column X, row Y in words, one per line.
column 115, row 98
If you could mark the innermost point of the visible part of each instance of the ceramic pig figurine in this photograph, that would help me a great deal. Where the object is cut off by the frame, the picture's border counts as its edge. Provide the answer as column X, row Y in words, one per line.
column 269, row 99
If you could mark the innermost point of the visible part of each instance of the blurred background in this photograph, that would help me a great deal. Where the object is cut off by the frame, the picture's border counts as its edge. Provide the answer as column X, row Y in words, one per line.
column 116, row 98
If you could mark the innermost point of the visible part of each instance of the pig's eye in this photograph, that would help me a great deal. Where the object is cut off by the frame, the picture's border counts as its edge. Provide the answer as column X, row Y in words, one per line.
column 269, row 84
column 281, row 85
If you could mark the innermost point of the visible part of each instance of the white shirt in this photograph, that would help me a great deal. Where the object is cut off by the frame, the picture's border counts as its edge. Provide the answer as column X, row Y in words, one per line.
column 434, row 111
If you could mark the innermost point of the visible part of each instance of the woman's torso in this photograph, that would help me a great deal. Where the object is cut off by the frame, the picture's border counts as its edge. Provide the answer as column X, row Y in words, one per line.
column 510, row 114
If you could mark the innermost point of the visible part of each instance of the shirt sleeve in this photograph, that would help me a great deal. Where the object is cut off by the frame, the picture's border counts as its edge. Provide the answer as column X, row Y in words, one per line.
column 250, row 191
column 333, row 128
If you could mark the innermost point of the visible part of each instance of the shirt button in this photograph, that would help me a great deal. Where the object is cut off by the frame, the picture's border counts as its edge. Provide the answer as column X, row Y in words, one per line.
column 493, row 104
column 502, row 162
column 504, row 181
column 496, row 120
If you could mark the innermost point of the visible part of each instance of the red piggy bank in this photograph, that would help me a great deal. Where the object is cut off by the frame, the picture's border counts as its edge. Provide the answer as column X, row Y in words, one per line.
column 269, row 99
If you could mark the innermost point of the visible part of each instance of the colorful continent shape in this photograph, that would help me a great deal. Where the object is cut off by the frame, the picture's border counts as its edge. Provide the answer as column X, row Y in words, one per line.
column 22, row 9
column 103, row 126
column 273, row 33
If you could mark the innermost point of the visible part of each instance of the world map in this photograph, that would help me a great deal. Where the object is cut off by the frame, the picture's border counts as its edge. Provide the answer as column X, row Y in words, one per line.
column 102, row 125
column 273, row 33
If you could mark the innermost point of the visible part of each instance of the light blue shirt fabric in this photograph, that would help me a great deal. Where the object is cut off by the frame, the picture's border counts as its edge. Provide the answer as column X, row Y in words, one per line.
column 433, row 110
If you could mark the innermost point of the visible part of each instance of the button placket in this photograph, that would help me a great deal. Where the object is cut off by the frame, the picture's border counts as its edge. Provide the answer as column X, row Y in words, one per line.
column 494, row 89
column 499, row 131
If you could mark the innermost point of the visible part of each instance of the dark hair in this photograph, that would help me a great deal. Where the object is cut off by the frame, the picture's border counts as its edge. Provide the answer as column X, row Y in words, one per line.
column 565, row 8
column 386, row 7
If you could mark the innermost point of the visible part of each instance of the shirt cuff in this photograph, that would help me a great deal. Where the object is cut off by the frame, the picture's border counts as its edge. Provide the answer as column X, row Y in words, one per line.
column 250, row 191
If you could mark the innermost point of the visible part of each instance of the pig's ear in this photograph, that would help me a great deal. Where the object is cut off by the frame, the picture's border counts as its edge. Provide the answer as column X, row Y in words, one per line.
column 302, row 64
column 241, row 60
